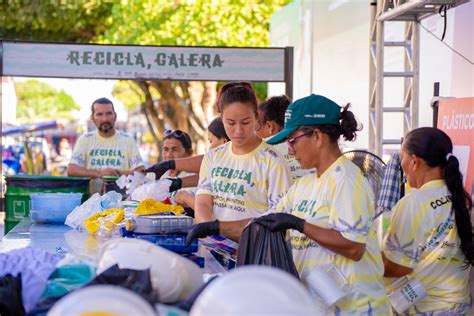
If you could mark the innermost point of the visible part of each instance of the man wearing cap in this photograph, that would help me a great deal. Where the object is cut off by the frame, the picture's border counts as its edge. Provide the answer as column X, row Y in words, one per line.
column 328, row 214
column 106, row 151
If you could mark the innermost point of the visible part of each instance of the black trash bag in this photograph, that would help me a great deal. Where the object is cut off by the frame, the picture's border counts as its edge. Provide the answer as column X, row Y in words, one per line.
column 11, row 303
column 138, row 281
column 259, row 245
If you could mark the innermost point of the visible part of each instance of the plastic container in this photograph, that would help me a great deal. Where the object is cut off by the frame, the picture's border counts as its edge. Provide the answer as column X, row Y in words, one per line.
column 53, row 207
column 109, row 200
column 175, row 243
column 159, row 224
column 19, row 188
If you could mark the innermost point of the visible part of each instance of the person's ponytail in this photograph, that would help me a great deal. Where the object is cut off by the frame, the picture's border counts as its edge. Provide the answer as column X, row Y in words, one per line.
column 349, row 124
column 462, row 205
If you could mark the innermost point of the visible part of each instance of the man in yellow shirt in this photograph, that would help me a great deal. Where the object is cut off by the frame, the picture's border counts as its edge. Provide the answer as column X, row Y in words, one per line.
column 106, row 151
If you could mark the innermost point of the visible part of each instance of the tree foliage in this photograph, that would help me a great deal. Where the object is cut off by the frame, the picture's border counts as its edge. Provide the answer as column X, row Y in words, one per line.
column 53, row 20
column 38, row 101
column 186, row 105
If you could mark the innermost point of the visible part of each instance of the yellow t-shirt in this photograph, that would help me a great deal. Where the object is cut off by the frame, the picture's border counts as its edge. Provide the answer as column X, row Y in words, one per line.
column 436, row 262
column 293, row 164
column 340, row 199
column 96, row 153
column 243, row 186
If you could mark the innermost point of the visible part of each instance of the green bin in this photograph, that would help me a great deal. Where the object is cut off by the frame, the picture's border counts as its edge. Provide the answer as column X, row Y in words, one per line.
column 17, row 196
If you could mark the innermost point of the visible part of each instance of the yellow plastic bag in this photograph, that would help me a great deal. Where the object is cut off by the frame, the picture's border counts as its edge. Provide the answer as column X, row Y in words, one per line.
column 108, row 219
column 150, row 206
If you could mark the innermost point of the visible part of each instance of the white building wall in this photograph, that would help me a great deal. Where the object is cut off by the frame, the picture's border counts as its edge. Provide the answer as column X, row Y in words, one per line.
column 337, row 63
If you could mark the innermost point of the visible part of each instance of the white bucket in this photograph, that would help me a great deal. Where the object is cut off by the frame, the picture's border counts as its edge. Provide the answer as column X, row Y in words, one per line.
column 327, row 284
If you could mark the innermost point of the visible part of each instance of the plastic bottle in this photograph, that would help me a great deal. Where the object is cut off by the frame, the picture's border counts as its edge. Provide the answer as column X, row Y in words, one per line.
column 110, row 200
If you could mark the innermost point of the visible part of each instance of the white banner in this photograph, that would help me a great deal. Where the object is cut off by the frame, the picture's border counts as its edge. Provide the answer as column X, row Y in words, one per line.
column 142, row 62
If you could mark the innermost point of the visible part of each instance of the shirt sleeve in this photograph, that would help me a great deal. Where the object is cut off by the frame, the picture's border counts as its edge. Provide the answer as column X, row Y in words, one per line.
column 135, row 159
column 78, row 156
column 351, row 206
column 205, row 176
column 279, row 181
column 405, row 234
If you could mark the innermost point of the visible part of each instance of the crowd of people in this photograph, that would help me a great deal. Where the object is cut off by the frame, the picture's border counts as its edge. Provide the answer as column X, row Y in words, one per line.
column 279, row 164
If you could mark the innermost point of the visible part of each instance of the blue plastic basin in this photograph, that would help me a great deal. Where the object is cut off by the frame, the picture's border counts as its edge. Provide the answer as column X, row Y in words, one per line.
column 53, row 207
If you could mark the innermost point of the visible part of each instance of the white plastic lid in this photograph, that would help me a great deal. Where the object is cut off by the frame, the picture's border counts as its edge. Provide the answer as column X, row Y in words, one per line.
column 107, row 299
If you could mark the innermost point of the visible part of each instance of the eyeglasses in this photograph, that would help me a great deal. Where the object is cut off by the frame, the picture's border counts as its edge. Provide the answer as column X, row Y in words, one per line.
column 291, row 141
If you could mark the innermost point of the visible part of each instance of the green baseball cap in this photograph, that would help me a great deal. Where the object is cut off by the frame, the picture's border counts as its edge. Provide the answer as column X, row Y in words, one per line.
column 310, row 110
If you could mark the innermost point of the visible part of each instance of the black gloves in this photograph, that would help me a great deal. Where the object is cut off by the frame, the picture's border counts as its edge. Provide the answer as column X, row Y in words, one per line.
column 160, row 168
column 176, row 184
column 203, row 230
column 281, row 222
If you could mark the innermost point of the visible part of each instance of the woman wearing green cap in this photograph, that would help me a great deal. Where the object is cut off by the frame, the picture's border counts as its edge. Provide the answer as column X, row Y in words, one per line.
column 328, row 214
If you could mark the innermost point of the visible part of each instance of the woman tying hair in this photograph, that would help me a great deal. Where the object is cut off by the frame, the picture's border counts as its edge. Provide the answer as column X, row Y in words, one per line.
column 328, row 213
column 245, row 177
column 430, row 235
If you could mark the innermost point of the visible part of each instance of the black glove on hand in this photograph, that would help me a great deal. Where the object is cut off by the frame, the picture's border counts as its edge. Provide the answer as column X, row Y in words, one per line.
column 281, row 222
column 176, row 184
column 203, row 230
column 160, row 168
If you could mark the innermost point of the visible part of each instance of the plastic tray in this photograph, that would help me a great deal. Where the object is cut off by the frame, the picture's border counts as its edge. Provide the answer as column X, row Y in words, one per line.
column 53, row 207
column 175, row 243
column 160, row 224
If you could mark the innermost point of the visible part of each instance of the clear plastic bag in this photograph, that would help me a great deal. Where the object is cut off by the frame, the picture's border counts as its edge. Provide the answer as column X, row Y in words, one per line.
column 131, row 182
column 95, row 204
column 156, row 190
column 90, row 207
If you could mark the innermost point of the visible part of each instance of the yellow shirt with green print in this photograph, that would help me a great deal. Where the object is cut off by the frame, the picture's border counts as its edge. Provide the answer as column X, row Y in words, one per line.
column 243, row 186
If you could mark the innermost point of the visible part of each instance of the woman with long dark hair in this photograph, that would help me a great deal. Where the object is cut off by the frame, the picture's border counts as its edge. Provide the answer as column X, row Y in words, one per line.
column 430, row 236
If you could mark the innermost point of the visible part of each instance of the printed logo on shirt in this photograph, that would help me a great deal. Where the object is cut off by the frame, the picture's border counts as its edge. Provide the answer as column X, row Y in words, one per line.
column 306, row 206
column 233, row 187
column 440, row 202
column 106, row 157
column 302, row 242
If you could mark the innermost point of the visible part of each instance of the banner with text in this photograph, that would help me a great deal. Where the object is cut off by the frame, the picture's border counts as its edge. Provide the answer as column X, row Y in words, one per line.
column 456, row 118
column 142, row 62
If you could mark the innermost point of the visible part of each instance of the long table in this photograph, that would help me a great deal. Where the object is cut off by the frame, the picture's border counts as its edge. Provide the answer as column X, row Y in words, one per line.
column 63, row 239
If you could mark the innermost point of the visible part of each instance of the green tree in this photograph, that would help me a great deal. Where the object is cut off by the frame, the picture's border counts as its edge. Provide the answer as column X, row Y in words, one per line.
column 53, row 20
column 186, row 105
column 38, row 101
